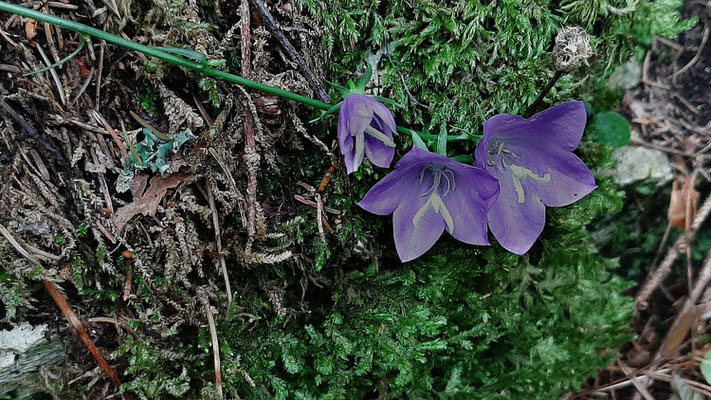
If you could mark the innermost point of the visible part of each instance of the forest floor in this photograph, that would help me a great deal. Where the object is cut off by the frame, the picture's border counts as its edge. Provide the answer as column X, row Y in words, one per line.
column 671, row 107
column 65, row 160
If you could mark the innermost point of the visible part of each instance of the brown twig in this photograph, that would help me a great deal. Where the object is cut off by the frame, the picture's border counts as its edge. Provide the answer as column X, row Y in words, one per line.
column 46, row 145
column 66, row 309
column 215, row 344
column 4, row 232
column 634, row 142
column 641, row 389
column 99, row 118
column 218, row 241
column 665, row 268
column 295, row 56
column 251, row 157
column 697, row 56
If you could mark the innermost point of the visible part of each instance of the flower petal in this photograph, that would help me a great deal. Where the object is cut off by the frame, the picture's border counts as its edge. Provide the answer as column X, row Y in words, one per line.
column 571, row 180
column 378, row 152
column 360, row 112
column 515, row 225
column 384, row 114
column 475, row 193
column 397, row 187
column 413, row 237
column 559, row 127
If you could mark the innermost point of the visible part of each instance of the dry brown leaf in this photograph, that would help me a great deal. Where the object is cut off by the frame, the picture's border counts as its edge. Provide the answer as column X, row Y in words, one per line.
column 679, row 330
column 684, row 202
column 147, row 203
column 30, row 29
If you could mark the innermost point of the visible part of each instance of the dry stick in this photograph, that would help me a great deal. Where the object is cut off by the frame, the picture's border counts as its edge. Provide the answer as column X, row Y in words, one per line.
column 295, row 56
column 218, row 240
column 665, row 268
column 99, row 118
column 697, row 56
column 48, row 146
column 251, row 157
column 66, row 309
column 17, row 246
column 697, row 387
column 668, row 150
column 99, row 72
column 641, row 389
column 215, row 345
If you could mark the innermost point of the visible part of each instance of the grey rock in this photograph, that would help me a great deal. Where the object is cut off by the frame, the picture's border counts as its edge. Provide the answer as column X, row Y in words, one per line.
column 635, row 164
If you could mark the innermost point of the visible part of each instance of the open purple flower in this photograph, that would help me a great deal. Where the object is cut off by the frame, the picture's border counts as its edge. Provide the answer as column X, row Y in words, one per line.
column 532, row 159
column 427, row 193
column 365, row 127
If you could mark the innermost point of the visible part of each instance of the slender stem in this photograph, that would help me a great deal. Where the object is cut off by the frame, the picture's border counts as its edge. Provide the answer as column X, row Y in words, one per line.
column 185, row 63
column 544, row 92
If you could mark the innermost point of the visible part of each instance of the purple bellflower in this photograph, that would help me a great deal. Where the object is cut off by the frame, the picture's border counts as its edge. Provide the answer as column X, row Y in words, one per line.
column 532, row 159
column 365, row 127
column 428, row 193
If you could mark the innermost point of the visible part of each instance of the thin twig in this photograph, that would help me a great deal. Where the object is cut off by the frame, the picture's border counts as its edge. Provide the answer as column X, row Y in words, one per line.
column 99, row 72
column 46, row 145
column 251, row 157
column 697, row 56
column 634, row 142
column 295, row 56
column 218, row 241
column 215, row 344
column 17, row 246
column 66, row 309
column 532, row 108
column 85, row 85
column 638, row 385
column 99, row 118
column 665, row 268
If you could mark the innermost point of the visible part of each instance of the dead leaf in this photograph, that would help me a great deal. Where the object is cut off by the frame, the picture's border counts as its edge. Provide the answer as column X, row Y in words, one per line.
column 31, row 29
column 684, row 202
column 680, row 329
column 83, row 69
column 147, row 203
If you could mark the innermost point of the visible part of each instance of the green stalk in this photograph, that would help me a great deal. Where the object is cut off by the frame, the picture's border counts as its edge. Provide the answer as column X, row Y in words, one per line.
column 185, row 63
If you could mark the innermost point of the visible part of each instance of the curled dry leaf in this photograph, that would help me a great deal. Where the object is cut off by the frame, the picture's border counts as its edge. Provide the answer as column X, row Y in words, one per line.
column 684, row 202
column 83, row 69
column 147, row 203
column 31, row 29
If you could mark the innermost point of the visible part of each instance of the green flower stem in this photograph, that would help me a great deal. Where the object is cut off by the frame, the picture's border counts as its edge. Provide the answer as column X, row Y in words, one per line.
column 186, row 63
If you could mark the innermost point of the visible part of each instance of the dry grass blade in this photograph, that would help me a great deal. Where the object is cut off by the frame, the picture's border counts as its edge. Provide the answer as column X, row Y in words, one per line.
column 215, row 344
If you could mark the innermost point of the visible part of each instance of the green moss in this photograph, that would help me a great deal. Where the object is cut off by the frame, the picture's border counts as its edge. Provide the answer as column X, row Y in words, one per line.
column 461, row 322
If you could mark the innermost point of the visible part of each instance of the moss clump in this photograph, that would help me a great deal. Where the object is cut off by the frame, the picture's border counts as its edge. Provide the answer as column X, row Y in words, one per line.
column 468, row 60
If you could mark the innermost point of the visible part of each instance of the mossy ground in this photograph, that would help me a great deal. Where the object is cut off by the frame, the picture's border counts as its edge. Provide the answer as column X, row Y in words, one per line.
column 344, row 319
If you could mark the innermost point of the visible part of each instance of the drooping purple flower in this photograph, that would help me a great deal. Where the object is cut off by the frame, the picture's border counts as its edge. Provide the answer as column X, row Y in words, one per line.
column 428, row 193
column 365, row 127
column 532, row 159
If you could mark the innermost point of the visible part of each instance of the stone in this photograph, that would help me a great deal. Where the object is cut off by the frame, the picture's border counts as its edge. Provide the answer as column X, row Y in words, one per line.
column 636, row 164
